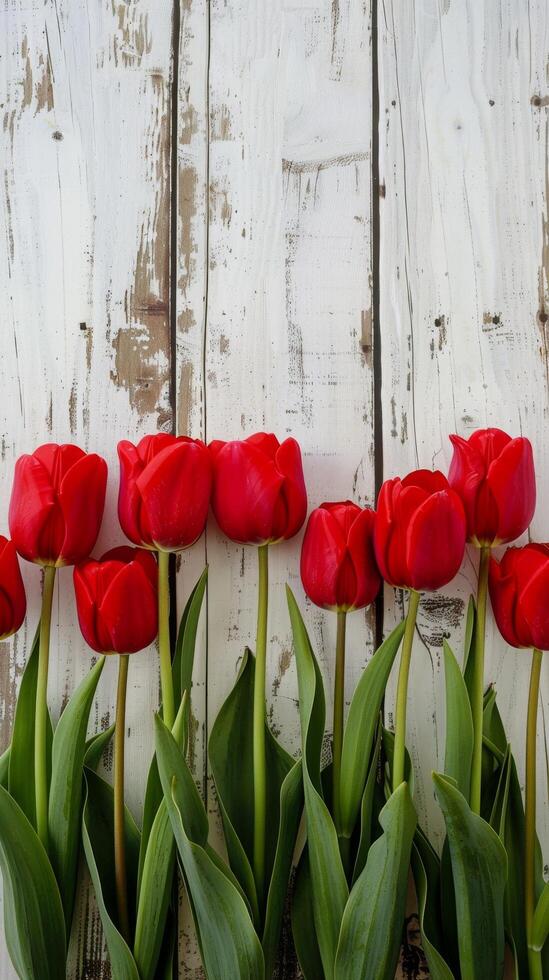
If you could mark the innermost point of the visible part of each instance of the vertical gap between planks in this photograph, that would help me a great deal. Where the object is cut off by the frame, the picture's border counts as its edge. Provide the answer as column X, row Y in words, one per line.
column 174, row 204
column 204, row 386
column 376, row 201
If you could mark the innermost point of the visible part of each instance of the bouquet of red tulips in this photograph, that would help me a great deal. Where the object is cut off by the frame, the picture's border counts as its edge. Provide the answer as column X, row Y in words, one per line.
column 482, row 900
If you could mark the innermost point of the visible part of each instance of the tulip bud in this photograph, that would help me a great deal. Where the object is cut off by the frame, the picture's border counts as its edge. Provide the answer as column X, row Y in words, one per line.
column 494, row 476
column 165, row 484
column 519, row 587
column 116, row 600
column 259, row 492
column 419, row 532
column 13, row 602
column 57, row 504
column 338, row 566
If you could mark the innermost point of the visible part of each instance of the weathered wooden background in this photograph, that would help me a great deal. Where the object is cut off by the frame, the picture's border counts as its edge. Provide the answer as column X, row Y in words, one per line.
column 328, row 218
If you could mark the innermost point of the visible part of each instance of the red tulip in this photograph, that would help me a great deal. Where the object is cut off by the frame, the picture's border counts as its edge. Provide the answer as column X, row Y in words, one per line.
column 13, row 602
column 259, row 492
column 57, row 504
column 116, row 600
column 494, row 476
column 519, row 587
column 165, row 485
column 338, row 566
column 419, row 532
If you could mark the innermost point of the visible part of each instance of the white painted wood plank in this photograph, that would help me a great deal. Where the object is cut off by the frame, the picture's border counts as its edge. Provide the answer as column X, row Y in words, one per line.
column 84, row 211
column 463, row 289
column 289, row 300
column 191, row 283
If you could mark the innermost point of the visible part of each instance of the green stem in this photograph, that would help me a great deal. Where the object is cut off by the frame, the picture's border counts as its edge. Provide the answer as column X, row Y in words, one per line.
column 339, row 709
column 119, row 836
column 534, row 956
column 41, row 712
column 477, row 693
column 260, row 787
column 402, row 690
column 166, row 679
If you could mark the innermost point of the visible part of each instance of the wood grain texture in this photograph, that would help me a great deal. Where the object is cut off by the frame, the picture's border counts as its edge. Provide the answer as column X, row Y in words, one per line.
column 186, row 244
column 84, row 344
column 288, row 347
column 463, row 292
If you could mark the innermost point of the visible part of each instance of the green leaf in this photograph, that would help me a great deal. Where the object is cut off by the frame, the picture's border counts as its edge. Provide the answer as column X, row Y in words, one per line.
column 183, row 661
column 459, row 725
column 361, row 727
column 291, row 807
column 367, row 811
column 540, row 927
column 426, row 871
column 231, row 760
column 98, row 837
column 33, row 913
column 96, row 745
column 153, row 799
column 65, row 800
column 157, row 875
column 479, row 867
column 21, row 767
column 5, row 767
column 154, row 893
column 329, row 885
column 305, row 940
column 389, row 750
column 468, row 645
column 182, row 669
column 229, row 944
column 373, row 920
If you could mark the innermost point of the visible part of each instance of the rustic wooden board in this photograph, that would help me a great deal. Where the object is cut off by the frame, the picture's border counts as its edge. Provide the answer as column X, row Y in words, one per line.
column 189, row 243
column 463, row 291
column 84, row 343
column 288, row 344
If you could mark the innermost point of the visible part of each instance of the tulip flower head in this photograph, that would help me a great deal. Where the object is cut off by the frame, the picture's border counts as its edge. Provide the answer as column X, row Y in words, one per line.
column 519, row 587
column 419, row 534
column 165, row 485
column 338, row 566
column 57, row 503
column 116, row 600
column 259, row 492
column 13, row 602
column 494, row 476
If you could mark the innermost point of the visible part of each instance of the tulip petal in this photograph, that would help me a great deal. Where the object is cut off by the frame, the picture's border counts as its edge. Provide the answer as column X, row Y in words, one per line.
column 32, row 502
column 345, row 513
column 11, row 583
column 175, row 492
column 503, row 598
column 149, row 446
column 512, row 483
column 266, row 442
column 245, row 494
column 533, row 607
column 429, row 480
column 289, row 464
column 322, row 554
column 385, row 526
column 58, row 460
column 82, row 500
column 129, row 498
column 84, row 589
column 489, row 443
column 360, row 544
column 129, row 610
column 406, row 501
column 436, row 541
